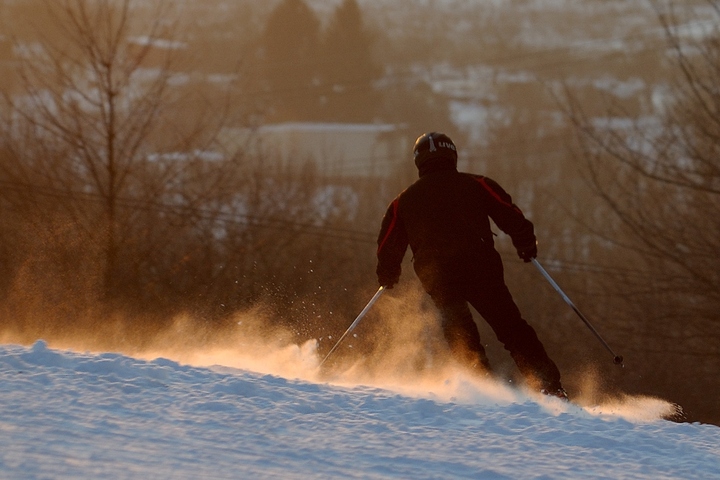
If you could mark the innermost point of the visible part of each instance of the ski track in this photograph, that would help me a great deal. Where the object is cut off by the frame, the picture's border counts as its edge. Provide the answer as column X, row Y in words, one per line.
column 73, row 415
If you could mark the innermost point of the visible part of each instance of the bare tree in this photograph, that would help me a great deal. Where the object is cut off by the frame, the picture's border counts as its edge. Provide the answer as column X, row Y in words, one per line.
column 102, row 124
column 659, row 178
column 91, row 105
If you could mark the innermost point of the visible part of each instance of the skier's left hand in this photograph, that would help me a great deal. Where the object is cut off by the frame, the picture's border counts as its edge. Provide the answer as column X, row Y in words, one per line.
column 527, row 253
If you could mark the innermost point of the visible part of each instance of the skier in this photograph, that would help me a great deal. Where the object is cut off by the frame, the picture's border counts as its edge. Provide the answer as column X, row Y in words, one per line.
column 444, row 218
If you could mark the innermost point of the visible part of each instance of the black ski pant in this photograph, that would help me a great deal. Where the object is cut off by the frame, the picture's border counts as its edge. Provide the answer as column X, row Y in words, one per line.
column 493, row 301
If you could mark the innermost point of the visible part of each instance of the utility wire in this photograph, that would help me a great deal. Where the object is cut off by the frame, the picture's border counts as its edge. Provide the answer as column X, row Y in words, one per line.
column 285, row 225
column 201, row 213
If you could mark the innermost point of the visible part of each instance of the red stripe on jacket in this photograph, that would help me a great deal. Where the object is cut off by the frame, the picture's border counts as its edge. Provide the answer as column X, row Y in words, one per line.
column 392, row 225
column 496, row 196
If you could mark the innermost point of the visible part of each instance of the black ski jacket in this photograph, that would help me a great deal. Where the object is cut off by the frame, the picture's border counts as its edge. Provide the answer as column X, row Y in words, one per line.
column 444, row 218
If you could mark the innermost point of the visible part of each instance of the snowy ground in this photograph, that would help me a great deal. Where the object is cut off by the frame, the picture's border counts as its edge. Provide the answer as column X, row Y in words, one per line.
column 73, row 415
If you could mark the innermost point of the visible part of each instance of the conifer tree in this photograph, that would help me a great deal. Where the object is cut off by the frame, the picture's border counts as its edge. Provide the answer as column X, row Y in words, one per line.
column 348, row 68
column 289, row 51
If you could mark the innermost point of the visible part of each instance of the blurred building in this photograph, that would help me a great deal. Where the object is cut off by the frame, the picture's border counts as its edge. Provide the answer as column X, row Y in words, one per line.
column 338, row 149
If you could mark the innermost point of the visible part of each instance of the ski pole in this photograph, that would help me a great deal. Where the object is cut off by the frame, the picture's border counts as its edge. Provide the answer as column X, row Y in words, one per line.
column 618, row 359
column 354, row 324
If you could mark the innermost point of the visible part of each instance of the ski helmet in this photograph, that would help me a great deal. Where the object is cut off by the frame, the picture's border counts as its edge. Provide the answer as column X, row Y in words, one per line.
column 430, row 146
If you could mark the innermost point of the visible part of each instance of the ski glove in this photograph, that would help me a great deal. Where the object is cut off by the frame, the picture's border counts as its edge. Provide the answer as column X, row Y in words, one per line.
column 387, row 281
column 527, row 253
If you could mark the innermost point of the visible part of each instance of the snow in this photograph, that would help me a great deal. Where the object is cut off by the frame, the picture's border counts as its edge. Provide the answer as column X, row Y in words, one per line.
column 67, row 414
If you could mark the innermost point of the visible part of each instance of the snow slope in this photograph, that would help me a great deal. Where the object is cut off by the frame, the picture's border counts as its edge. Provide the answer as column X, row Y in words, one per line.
column 81, row 415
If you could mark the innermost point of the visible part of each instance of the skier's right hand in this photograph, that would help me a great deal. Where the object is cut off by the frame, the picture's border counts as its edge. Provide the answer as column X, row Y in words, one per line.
column 387, row 282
